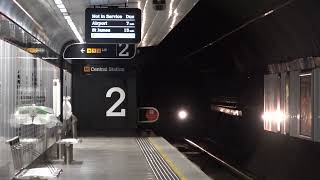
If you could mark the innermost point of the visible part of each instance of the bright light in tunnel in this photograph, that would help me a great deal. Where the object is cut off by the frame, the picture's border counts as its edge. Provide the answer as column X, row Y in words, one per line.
column 182, row 114
column 276, row 116
column 273, row 118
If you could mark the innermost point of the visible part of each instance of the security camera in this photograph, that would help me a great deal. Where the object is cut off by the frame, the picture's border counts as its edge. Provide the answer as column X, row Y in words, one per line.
column 159, row 5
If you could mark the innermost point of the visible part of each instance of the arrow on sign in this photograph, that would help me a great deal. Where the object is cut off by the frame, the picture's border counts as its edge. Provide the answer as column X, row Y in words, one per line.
column 99, row 51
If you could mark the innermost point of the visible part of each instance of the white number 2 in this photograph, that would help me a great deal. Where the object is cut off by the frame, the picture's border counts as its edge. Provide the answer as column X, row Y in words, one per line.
column 124, row 52
column 110, row 111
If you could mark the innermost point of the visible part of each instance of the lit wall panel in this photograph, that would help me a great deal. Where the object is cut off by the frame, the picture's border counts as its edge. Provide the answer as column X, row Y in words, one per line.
column 67, row 83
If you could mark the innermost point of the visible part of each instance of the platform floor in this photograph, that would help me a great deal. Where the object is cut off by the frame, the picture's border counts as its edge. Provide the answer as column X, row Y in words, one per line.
column 182, row 166
column 121, row 158
column 107, row 158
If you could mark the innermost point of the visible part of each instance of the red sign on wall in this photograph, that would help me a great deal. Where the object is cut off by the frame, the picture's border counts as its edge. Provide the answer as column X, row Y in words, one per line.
column 148, row 114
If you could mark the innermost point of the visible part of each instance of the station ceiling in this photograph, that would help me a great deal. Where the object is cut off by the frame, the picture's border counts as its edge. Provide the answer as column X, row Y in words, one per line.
column 43, row 18
column 186, row 26
column 290, row 30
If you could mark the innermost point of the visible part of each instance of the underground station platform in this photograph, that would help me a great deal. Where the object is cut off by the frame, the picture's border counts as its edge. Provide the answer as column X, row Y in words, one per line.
column 159, row 89
column 136, row 158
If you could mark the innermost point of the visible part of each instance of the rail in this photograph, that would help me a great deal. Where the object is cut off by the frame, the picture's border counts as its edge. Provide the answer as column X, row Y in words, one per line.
column 231, row 168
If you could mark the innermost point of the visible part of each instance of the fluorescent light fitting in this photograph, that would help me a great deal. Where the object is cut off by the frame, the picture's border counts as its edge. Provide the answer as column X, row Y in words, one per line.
column 65, row 14
column 171, row 8
column 174, row 19
column 139, row 4
column 50, row 58
column 19, row 5
column 58, row 2
column 63, row 10
column 267, row 13
column 176, row 12
column 308, row 74
column 61, row 6
column 73, row 28
column 68, row 18
column 175, row 15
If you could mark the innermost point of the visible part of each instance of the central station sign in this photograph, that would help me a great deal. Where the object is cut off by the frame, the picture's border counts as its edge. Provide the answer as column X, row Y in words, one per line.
column 99, row 51
column 90, row 68
column 113, row 25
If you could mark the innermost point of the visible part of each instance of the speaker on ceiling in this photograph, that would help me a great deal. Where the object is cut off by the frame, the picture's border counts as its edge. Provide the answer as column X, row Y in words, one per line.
column 159, row 5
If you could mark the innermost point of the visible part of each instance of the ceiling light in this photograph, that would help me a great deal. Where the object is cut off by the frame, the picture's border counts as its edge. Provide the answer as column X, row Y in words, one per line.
column 73, row 28
column 63, row 10
column 267, row 13
column 58, row 2
column 307, row 74
column 61, row 6
column 171, row 8
column 139, row 4
column 65, row 14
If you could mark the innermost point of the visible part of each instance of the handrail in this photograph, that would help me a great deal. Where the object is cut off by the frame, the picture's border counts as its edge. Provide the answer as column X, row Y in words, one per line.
column 233, row 169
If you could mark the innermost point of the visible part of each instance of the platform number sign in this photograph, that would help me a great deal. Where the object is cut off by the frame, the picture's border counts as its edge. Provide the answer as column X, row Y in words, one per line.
column 124, row 52
column 111, row 111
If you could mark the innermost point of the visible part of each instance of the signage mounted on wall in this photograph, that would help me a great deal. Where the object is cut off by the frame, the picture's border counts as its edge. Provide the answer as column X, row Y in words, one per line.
column 99, row 51
column 103, row 68
column 148, row 115
column 113, row 25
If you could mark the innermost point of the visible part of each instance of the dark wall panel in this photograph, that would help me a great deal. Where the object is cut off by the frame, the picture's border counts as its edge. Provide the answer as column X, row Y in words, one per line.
column 90, row 103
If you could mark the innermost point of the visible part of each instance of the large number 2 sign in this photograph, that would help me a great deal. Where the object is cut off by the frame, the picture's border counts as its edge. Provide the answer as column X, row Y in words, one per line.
column 110, row 112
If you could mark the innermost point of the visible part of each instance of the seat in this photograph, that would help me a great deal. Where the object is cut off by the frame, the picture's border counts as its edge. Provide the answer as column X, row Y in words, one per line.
column 47, row 171
column 68, row 144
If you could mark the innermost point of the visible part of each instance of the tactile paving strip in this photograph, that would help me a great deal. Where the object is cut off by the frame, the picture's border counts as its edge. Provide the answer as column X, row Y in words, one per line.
column 159, row 166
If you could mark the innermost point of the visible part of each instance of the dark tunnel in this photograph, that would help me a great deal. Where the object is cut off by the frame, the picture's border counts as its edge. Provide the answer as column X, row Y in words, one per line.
column 233, row 67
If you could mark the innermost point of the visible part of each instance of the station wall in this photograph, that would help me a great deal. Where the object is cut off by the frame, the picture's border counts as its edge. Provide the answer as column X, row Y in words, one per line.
column 241, row 141
column 91, row 104
column 244, row 142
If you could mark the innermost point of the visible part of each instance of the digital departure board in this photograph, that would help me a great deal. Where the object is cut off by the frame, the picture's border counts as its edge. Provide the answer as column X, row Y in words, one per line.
column 113, row 25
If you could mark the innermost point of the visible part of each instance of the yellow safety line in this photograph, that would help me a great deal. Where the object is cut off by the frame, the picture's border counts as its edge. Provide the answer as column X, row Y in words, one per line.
column 168, row 160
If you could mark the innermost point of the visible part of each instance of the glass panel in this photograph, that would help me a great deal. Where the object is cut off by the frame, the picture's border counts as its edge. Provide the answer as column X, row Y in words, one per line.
column 25, row 79
column 286, row 105
column 305, row 105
